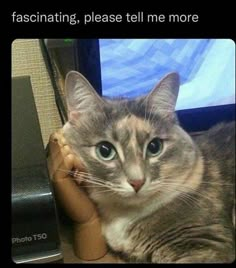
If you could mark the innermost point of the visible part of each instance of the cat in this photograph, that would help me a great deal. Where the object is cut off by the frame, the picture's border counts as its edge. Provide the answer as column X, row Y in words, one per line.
column 162, row 195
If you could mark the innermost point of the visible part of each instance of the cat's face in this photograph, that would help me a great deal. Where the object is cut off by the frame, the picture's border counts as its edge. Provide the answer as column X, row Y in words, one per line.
column 132, row 149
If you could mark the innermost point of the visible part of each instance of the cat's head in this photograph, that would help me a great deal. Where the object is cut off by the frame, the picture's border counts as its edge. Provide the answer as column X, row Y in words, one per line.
column 132, row 149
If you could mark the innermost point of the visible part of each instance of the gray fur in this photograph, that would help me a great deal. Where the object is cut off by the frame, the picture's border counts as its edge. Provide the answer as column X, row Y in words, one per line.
column 184, row 211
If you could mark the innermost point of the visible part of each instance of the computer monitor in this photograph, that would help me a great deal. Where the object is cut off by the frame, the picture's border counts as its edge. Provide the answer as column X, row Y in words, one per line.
column 131, row 67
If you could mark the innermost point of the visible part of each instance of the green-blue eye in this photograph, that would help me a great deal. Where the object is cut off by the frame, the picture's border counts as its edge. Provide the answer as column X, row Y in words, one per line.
column 105, row 151
column 154, row 147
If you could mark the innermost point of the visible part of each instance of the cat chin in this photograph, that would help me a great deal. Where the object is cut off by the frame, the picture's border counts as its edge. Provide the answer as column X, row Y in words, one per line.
column 124, row 199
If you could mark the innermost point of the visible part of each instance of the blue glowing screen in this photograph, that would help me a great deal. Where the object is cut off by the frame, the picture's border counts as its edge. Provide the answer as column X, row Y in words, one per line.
column 132, row 67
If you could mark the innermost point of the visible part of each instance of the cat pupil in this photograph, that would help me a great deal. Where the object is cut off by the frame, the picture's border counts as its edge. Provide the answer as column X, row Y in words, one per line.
column 105, row 151
column 154, row 147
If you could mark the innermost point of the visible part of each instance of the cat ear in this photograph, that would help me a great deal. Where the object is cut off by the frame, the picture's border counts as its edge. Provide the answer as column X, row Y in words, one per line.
column 164, row 95
column 81, row 97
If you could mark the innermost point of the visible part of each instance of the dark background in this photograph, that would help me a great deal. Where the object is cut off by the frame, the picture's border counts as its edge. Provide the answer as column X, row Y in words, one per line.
column 217, row 20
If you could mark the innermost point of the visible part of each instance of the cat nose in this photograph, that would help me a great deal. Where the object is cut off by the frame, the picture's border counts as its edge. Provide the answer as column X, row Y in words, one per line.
column 136, row 184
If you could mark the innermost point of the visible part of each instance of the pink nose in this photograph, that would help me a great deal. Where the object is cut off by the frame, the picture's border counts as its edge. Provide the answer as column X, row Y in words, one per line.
column 136, row 184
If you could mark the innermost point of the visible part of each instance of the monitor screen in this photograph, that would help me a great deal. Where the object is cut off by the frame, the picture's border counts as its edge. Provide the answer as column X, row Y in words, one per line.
column 132, row 67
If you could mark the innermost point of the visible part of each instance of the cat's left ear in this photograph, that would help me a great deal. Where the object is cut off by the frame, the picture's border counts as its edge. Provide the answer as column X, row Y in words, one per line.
column 81, row 97
column 164, row 95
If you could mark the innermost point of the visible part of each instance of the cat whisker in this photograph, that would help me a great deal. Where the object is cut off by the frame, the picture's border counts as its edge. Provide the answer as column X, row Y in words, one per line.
column 113, row 190
column 107, row 185
column 90, row 176
column 184, row 189
column 185, row 197
column 91, row 186
column 188, row 201
column 83, row 175
column 203, row 182
column 91, row 180
column 86, row 178
column 79, row 173
column 94, row 182
column 188, row 197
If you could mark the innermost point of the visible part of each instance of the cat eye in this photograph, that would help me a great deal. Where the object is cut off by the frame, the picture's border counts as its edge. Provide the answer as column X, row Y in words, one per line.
column 154, row 147
column 105, row 151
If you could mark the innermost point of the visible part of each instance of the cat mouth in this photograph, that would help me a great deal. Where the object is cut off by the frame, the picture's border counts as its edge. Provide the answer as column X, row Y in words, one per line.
column 132, row 194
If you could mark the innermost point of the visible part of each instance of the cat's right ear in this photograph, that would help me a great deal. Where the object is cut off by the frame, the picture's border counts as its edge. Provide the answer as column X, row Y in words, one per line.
column 81, row 97
column 163, row 97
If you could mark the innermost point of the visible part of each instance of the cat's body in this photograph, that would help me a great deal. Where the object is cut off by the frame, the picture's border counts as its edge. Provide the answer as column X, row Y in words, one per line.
column 162, row 196
column 200, row 231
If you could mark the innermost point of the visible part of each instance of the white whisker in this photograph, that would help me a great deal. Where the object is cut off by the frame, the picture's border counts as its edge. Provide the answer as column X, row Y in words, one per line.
column 185, row 197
